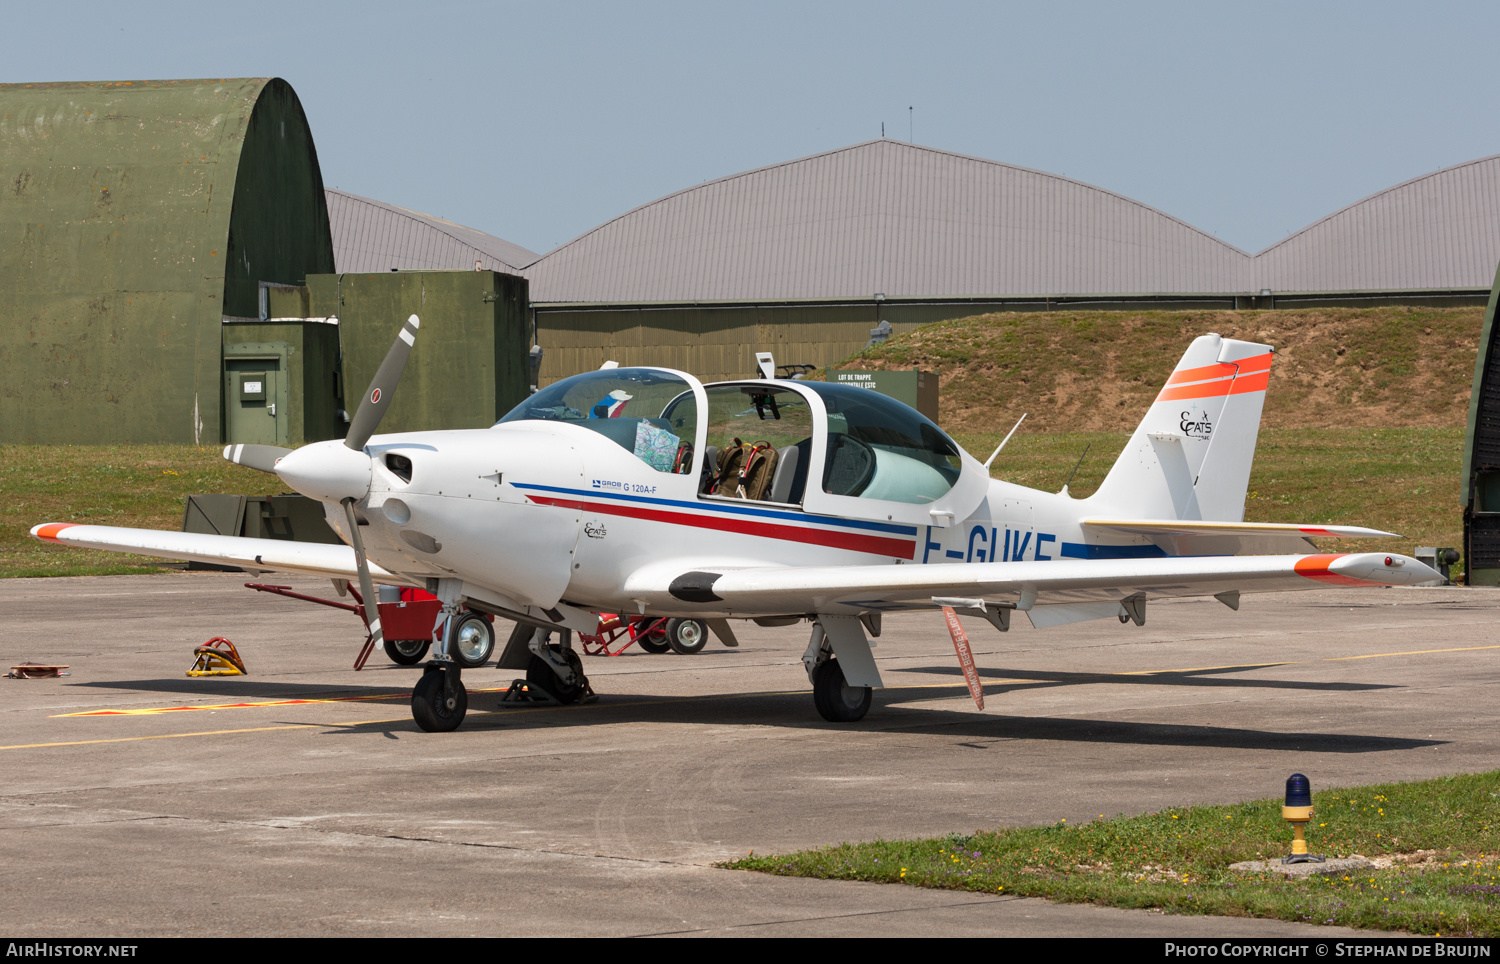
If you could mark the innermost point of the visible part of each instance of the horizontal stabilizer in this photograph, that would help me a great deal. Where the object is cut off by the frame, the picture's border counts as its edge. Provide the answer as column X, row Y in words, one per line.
column 1189, row 537
column 1188, row 527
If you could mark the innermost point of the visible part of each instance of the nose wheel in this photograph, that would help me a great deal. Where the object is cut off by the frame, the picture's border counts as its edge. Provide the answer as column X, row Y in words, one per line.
column 439, row 701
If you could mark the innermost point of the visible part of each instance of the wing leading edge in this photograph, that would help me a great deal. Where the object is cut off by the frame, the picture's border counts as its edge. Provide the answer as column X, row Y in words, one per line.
column 270, row 554
column 1024, row 585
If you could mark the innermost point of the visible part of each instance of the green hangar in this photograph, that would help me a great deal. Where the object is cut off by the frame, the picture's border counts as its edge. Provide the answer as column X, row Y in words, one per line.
column 134, row 218
column 169, row 273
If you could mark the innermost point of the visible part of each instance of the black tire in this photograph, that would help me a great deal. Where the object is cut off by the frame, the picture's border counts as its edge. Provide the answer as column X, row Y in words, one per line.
column 836, row 700
column 687, row 636
column 434, row 709
column 473, row 640
column 539, row 674
column 406, row 652
column 654, row 640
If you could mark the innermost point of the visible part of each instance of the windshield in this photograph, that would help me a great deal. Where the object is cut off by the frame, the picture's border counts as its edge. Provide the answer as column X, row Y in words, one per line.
column 628, row 407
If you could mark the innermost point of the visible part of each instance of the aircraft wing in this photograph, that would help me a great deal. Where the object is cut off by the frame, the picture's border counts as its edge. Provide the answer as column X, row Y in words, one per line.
column 278, row 555
column 1080, row 589
column 1186, row 537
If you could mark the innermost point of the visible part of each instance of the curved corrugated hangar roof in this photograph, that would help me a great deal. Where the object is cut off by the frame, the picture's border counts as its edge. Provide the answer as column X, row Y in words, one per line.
column 371, row 235
column 1440, row 230
column 907, row 221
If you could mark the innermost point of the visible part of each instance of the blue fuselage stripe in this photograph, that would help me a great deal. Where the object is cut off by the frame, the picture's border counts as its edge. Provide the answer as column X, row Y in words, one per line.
column 729, row 509
column 1075, row 550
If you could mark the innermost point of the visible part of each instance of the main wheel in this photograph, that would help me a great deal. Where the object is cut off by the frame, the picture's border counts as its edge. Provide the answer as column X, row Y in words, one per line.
column 434, row 708
column 539, row 674
column 651, row 636
column 687, row 636
column 406, row 652
column 836, row 700
column 473, row 640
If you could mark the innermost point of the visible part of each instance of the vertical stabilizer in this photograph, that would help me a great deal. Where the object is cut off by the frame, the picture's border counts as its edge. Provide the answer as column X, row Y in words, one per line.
column 1190, row 457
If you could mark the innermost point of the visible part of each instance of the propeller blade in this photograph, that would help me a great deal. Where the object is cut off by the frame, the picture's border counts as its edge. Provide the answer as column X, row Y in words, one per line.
column 378, row 396
column 366, row 585
column 261, row 457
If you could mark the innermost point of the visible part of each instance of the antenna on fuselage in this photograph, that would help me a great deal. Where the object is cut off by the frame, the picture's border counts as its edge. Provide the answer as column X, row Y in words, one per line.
column 1064, row 490
column 991, row 459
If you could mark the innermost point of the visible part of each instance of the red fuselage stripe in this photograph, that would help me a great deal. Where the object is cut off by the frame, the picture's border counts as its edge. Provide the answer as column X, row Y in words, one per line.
column 875, row 545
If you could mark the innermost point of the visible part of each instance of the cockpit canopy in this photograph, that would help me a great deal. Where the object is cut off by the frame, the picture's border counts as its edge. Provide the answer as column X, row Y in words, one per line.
column 829, row 449
column 872, row 446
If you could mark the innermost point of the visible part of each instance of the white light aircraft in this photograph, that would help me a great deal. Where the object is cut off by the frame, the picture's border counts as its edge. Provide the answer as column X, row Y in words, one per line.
column 605, row 492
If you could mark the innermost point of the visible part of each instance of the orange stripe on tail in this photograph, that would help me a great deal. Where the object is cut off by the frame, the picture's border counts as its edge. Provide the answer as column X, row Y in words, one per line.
column 1212, row 381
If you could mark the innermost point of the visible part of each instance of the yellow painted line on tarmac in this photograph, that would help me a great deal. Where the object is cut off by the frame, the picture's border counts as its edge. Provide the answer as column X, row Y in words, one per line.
column 154, row 710
column 1199, row 669
column 1414, row 652
column 160, row 736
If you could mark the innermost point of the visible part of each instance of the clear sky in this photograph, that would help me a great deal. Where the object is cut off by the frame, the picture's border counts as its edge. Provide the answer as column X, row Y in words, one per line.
column 537, row 121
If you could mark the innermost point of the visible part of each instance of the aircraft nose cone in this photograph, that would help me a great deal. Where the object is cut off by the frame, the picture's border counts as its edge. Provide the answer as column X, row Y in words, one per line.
column 326, row 471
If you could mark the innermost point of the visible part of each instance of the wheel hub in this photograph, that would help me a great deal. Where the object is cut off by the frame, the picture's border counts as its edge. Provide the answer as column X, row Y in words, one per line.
column 472, row 640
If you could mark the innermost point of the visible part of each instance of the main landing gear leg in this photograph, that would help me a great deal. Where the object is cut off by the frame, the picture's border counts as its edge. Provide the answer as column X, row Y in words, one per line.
column 836, row 700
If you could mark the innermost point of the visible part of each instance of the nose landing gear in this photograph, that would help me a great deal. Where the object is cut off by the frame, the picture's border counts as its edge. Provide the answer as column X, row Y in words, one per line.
column 439, row 701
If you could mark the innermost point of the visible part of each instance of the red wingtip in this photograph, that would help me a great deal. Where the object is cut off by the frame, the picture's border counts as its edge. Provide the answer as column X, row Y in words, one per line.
column 50, row 530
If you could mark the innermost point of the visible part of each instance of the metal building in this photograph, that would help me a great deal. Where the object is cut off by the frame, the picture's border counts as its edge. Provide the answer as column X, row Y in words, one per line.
column 136, row 218
column 375, row 236
column 806, row 257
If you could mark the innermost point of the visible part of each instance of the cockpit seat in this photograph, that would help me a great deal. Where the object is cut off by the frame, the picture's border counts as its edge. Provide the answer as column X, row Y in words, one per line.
column 790, row 481
column 710, row 460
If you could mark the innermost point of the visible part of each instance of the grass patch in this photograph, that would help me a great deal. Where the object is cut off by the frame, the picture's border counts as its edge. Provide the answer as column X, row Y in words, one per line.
column 1440, row 835
column 1097, row 370
column 142, row 486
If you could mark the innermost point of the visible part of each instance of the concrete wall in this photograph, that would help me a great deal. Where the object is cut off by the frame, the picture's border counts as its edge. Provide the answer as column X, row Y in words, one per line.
column 468, row 366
